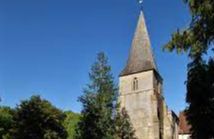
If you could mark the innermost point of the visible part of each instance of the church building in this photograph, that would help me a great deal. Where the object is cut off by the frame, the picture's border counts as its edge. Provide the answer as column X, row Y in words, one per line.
column 140, row 87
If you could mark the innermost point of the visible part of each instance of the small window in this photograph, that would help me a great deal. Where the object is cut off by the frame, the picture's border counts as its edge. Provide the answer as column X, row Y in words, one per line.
column 135, row 84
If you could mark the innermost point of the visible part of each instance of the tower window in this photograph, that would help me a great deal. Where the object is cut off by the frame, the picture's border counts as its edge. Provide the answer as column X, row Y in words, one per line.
column 135, row 84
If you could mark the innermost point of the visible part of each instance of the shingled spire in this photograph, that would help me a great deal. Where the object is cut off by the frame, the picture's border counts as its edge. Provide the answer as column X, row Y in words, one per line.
column 140, row 57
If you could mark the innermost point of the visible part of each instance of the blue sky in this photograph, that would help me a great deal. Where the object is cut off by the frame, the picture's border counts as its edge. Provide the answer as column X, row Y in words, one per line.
column 48, row 46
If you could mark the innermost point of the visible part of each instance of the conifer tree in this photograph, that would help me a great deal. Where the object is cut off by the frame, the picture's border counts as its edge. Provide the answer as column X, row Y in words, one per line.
column 196, row 40
column 98, row 102
column 198, row 37
column 200, row 97
column 101, row 118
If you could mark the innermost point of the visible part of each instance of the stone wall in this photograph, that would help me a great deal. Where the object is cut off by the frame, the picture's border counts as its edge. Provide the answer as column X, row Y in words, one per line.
column 146, row 107
column 141, row 104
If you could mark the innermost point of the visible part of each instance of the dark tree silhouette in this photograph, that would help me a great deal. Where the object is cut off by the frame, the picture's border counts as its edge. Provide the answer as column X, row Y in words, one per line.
column 196, row 40
column 38, row 119
column 200, row 97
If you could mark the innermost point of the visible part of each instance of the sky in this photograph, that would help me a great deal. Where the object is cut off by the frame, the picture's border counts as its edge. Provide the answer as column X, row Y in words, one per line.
column 48, row 46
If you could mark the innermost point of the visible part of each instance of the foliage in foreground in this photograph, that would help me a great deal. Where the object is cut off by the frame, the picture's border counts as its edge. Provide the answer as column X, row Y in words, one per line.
column 10, row 124
column 100, row 118
column 196, row 40
column 199, row 36
column 38, row 119
column 6, row 121
column 70, row 123
column 98, row 103
column 124, row 128
column 200, row 97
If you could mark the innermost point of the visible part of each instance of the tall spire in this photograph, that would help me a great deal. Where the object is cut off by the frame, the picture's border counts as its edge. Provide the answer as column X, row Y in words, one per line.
column 140, row 57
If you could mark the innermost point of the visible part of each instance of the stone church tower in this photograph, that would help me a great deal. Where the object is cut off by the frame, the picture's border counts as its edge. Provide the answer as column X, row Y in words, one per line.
column 141, row 91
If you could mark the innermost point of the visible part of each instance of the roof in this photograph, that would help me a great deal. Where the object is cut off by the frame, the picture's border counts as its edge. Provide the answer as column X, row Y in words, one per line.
column 175, row 117
column 141, row 56
column 184, row 127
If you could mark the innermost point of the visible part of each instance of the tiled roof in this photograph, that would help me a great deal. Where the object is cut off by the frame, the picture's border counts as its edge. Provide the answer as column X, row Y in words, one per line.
column 184, row 128
column 140, row 57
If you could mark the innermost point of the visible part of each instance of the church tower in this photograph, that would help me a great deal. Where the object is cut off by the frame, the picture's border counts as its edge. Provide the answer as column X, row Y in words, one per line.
column 140, row 87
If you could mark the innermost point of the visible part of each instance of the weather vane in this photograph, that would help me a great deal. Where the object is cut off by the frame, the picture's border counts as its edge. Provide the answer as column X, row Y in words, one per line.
column 141, row 4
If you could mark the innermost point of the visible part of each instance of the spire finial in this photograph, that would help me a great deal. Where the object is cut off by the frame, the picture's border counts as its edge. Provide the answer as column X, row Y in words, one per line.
column 141, row 4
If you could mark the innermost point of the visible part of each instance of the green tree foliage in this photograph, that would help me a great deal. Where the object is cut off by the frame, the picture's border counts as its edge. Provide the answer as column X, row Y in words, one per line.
column 196, row 40
column 98, row 101
column 70, row 123
column 38, row 119
column 124, row 129
column 100, row 117
column 200, row 97
column 6, row 121
column 199, row 36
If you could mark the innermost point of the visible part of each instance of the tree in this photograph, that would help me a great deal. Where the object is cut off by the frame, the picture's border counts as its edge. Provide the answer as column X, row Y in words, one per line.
column 38, row 119
column 101, row 118
column 70, row 123
column 98, row 103
column 196, row 40
column 196, row 86
column 200, row 97
column 199, row 36
column 6, row 121
column 124, row 129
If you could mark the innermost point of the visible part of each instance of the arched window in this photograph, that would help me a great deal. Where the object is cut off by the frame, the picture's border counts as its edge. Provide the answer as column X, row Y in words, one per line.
column 135, row 84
